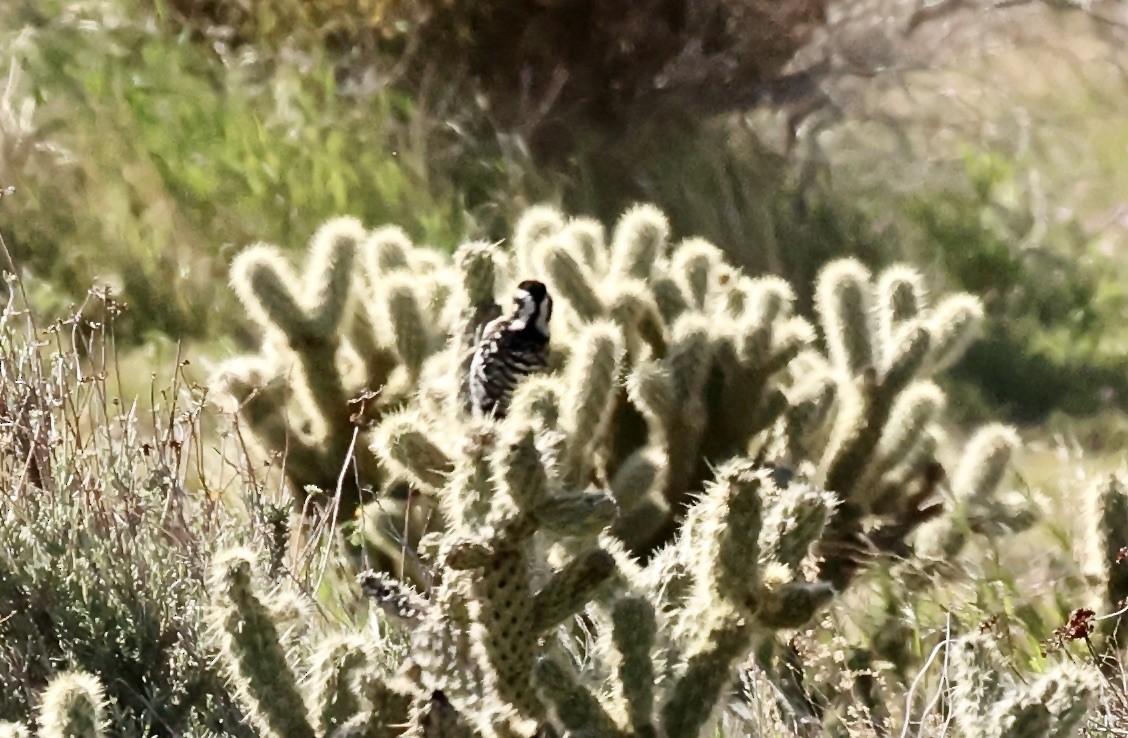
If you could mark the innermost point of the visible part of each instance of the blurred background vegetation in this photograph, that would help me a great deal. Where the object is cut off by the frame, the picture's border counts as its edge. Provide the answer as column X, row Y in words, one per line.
column 146, row 142
column 149, row 140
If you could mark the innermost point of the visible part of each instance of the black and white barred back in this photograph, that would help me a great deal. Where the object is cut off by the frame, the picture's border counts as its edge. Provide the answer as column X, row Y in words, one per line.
column 511, row 347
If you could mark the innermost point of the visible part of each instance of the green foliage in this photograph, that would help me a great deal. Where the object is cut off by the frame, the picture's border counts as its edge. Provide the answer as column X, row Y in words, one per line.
column 1052, row 300
column 150, row 157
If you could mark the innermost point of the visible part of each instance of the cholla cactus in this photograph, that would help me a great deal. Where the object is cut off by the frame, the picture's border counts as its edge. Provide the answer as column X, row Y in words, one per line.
column 686, row 413
column 480, row 636
column 1110, row 514
column 977, row 503
column 987, row 701
column 347, row 694
column 672, row 362
column 345, row 341
column 72, row 706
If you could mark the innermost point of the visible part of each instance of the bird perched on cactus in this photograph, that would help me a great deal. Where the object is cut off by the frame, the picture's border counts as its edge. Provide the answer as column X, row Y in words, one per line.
column 511, row 347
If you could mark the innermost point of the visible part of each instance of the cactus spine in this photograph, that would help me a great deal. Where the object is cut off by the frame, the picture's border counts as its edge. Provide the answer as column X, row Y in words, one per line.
column 73, row 707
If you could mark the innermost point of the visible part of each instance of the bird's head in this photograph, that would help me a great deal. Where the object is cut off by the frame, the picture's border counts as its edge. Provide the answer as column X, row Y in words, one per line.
column 534, row 307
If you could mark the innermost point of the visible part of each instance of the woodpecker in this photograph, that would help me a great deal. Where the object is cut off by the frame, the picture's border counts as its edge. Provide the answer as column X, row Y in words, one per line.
column 511, row 347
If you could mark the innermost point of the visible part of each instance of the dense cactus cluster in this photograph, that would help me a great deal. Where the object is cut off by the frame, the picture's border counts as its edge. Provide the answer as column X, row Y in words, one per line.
column 698, row 469
column 705, row 363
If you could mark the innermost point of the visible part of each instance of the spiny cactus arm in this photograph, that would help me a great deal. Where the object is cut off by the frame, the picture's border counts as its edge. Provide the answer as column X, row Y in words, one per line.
column 385, row 250
column 335, row 668
column 520, row 469
column 590, row 240
column 396, row 598
column 810, row 402
column 694, row 263
column 73, row 706
column 571, row 588
column 1068, row 690
column 985, row 461
column 330, row 273
column 574, row 706
column 914, row 412
column 303, row 310
column 568, row 279
column 477, row 263
column 639, row 476
column 406, row 321
column 900, row 294
column 975, row 487
column 979, row 681
column 668, row 297
column 693, row 699
column 1112, row 533
column 404, row 444
column 507, row 626
column 634, row 628
column 793, row 604
column 844, row 301
column 576, row 513
column 631, row 305
column 593, row 370
column 877, row 396
column 690, row 357
column 689, row 363
column 954, row 325
column 1020, row 715
column 900, row 299
column 764, row 299
column 794, row 522
column 904, row 361
column 535, row 224
column 269, row 289
column 724, row 534
column 373, row 349
column 641, row 237
column 251, row 648
column 747, row 399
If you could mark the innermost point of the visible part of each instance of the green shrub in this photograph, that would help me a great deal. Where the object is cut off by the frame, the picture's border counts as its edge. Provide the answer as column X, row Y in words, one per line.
column 1054, row 303
column 105, row 546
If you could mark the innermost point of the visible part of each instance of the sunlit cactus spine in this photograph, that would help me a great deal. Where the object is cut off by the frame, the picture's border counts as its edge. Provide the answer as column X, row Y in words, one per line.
column 670, row 647
column 845, row 302
column 593, row 373
column 987, row 700
column 978, row 502
column 343, row 694
column 73, row 706
column 640, row 239
column 14, row 730
column 252, row 650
